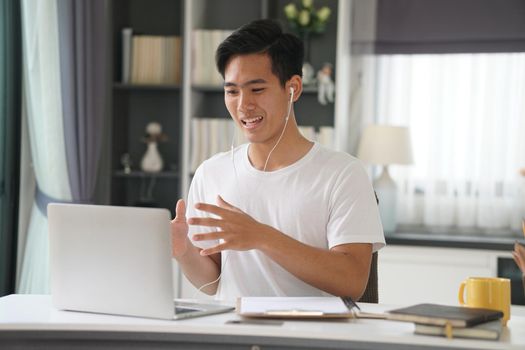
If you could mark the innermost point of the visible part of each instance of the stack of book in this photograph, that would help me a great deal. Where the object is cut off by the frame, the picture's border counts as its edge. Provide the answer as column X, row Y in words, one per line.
column 204, row 44
column 210, row 136
column 451, row 321
column 150, row 59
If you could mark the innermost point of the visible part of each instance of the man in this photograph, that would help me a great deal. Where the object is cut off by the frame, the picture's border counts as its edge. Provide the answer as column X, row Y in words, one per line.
column 281, row 215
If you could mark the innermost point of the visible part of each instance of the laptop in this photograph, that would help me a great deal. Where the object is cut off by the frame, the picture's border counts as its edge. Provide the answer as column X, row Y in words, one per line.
column 115, row 260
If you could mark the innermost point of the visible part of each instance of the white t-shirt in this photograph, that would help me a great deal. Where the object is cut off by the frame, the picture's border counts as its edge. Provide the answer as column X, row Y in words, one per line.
column 324, row 199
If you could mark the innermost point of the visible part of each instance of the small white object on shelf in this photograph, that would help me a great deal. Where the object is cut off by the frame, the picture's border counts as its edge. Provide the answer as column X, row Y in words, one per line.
column 152, row 160
column 326, row 86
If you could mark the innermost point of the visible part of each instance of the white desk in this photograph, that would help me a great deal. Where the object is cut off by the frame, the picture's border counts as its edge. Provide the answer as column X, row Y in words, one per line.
column 30, row 322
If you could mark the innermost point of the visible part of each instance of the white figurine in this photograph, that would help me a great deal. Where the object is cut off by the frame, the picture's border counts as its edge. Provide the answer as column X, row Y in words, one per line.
column 326, row 87
column 152, row 160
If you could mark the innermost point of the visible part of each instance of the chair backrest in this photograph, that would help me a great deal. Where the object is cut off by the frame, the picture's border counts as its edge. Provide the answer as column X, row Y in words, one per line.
column 371, row 294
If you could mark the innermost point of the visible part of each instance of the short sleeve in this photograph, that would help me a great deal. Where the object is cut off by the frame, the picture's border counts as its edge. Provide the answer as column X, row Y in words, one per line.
column 354, row 213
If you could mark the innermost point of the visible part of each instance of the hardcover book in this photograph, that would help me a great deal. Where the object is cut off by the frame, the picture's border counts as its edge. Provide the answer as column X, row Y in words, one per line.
column 441, row 315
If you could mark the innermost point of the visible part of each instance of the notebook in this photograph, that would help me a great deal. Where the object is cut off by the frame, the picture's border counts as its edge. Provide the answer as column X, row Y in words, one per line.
column 293, row 307
column 441, row 315
column 488, row 330
column 115, row 260
column 304, row 308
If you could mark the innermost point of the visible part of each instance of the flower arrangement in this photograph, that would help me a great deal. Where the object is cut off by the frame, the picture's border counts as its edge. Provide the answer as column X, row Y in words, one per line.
column 306, row 19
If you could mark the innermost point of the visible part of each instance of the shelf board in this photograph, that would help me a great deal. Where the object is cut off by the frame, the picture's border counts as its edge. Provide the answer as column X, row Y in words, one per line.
column 146, row 87
column 143, row 174
column 312, row 89
column 208, row 88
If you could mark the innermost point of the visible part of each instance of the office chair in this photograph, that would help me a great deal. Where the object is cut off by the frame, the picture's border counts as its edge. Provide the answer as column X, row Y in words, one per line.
column 371, row 294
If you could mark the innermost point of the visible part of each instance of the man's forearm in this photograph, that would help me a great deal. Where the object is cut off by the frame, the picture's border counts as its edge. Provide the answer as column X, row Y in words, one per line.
column 335, row 272
column 199, row 270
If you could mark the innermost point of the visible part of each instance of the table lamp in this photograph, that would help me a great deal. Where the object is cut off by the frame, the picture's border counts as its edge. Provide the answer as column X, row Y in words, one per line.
column 385, row 145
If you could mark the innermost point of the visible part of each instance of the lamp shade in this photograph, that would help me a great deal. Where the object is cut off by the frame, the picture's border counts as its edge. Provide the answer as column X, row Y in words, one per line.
column 385, row 144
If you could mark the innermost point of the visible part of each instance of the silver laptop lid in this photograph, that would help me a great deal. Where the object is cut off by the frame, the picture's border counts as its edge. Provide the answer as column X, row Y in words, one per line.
column 108, row 259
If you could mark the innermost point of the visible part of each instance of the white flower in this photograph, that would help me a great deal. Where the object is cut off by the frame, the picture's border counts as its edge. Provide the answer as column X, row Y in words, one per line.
column 308, row 3
column 323, row 13
column 304, row 18
column 291, row 11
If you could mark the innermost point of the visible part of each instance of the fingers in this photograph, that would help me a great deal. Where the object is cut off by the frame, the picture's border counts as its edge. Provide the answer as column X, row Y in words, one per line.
column 223, row 209
column 213, row 209
column 210, row 236
column 213, row 250
column 210, row 222
column 180, row 211
column 519, row 249
column 519, row 262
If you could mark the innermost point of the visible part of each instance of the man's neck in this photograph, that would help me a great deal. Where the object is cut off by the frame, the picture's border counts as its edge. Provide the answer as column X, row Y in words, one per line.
column 290, row 149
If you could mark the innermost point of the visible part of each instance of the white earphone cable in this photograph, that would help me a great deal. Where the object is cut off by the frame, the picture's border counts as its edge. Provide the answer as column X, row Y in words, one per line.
column 284, row 129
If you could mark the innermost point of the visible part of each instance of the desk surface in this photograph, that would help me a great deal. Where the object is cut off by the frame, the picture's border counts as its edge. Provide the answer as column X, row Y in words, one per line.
column 30, row 322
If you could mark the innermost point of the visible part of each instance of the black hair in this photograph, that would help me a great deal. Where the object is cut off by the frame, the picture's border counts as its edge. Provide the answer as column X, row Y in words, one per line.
column 286, row 51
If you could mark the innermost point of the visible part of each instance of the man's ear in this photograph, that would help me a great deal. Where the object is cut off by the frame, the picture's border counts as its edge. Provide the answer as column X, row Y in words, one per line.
column 295, row 83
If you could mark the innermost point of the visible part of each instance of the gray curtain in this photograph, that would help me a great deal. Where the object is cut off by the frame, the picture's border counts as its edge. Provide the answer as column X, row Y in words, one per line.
column 84, row 71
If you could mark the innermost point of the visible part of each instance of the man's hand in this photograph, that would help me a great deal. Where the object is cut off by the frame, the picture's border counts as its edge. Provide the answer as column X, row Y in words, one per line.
column 519, row 256
column 238, row 230
column 179, row 231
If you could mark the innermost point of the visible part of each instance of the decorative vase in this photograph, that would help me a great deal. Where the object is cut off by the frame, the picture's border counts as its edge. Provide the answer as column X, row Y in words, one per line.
column 152, row 161
column 386, row 191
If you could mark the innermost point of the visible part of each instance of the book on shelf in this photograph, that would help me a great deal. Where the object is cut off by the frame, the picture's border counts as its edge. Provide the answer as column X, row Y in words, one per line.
column 326, row 136
column 210, row 136
column 444, row 315
column 488, row 330
column 308, row 132
column 155, row 59
column 204, row 44
column 126, row 54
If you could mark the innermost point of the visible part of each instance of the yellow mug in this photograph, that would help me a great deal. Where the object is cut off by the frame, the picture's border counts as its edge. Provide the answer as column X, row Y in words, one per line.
column 487, row 293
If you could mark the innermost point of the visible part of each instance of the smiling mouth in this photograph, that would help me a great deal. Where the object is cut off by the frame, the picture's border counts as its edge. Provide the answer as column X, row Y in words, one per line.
column 252, row 122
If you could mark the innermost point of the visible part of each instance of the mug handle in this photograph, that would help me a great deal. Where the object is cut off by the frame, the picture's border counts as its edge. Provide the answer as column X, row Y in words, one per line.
column 461, row 293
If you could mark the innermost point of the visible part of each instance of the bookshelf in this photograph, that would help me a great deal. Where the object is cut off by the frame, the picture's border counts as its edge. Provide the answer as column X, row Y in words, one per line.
column 177, row 106
column 135, row 105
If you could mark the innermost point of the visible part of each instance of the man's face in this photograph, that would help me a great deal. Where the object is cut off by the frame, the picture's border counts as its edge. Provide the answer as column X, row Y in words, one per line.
column 255, row 98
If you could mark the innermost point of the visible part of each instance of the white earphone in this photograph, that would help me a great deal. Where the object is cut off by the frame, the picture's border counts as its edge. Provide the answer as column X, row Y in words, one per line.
column 292, row 90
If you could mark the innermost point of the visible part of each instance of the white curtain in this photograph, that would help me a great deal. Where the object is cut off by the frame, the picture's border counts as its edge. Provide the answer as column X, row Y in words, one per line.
column 41, row 69
column 466, row 114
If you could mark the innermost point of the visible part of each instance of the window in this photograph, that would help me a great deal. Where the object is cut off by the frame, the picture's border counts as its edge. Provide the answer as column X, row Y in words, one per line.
column 466, row 114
